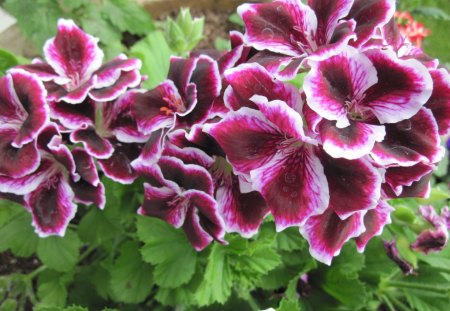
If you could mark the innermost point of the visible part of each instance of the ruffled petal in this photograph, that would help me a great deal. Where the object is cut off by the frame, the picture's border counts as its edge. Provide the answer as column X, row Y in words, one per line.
column 380, row 12
column 279, row 26
column 17, row 162
column 242, row 212
column 73, row 53
column 118, row 166
column 87, row 194
column 28, row 183
column 155, row 109
column 95, row 145
column 51, row 205
column 85, row 166
column 327, row 233
column 247, row 138
column 334, row 87
column 31, row 95
column 404, row 176
column 165, row 204
column 354, row 185
column 374, row 221
column 351, row 142
column 410, row 141
column 252, row 79
column 403, row 87
column 126, row 80
column 73, row 116
column 439, row 102
column 294, row 186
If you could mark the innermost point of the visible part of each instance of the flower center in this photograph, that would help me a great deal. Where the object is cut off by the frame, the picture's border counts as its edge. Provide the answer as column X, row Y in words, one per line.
column 174, row 104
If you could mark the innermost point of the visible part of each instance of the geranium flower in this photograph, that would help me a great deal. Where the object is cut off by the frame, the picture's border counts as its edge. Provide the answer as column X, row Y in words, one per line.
column 242, row 211
column 74, row 68
column 433, row 240
column 181, row 195
column 356, row 93
column 314, row 31
column 62, row 178
column 183, row 100
column 23, row 114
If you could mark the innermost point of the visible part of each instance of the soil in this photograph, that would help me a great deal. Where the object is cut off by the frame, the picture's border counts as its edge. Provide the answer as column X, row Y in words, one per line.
column 11, row 264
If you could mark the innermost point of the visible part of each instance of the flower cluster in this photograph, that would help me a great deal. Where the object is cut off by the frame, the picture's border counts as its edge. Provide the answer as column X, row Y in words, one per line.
column 229, row 138
column 412, row 29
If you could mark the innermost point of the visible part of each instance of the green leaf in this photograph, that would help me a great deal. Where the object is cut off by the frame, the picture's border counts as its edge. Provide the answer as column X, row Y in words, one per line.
column 168, row 249
column 218, row 278
column 289, row 305
column 154, row 53
column 131, row 278
column 95, row 227
column 16, row 231
column 36, row 19
column 9, row 305
column 126, row 15
column 52, row 288
column 59, row 253
column 431, row 12
column 7, row 60
column 298, row 80
column 289, row 240
column 236, row 19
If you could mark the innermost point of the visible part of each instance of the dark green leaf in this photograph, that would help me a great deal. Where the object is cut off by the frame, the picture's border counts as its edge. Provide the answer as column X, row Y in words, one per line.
column 128, row 16
column 131, row 278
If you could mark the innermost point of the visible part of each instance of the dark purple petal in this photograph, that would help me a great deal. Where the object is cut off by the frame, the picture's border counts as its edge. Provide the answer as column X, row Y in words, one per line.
column 418, row 189
column 354, row 185
column 374, row 221
column 43, row 70
column 85, row 166
column 335, row 87
column 155, row 109
column 109, row 73
column 16, row 162
column 285, row 27
column 242, row 212
column 196, row 235
column 188, row 155
column 126, row 80
column 273, row 61
column 247, row 80
column 351, row 142
column 431, row 241
column 30, row 182
column 403, row 87
column 151, row 151
column 73, row 53
column 118, row 119
column 208, row 84
column 208, row 216
column 328, row 13
column 180, row 72
column 247, row 138
column 392, row 253
column 31, row 96
column 95, row 145
column 294, row 186
column 73, row 116
column 13, row 198
column 165, row 204
column 51, row 205
column 62, row 154
column 369, row 16
column 439, row 102
column 327, row 233
column 398, row 177
column 186, row 176
column 118, row 166
column 410, row 141
column 86, row 193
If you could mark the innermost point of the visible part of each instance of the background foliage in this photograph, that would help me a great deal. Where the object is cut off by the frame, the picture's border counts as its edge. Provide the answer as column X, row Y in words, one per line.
column 116, row 260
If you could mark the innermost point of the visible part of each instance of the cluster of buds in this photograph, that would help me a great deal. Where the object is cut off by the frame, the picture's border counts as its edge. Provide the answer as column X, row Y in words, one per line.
column 412, row 29
column 228, row 139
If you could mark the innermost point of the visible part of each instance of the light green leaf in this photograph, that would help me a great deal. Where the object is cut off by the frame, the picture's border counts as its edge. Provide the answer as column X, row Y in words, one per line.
column 131, row 278
column 52, row 288
column 128, row 16
column 154, row 53
column 95, row 227
column 168, row 249
column 16, row 231
column 59, row 253
column 7, row 61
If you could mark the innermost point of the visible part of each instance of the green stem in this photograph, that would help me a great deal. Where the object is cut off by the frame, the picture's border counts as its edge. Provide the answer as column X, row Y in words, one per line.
column 30, row 276
column 400, row 305
column 388, row 302
column 86, row 253
column 442, row 269
column 415, row 286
